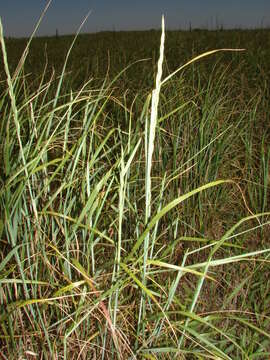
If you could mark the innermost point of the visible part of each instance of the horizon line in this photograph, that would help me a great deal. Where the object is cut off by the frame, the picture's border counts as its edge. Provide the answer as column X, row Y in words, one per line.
column 190, row 29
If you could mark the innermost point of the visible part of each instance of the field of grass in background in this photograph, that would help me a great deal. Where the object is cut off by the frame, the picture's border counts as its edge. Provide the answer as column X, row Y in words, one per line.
column 134, row 224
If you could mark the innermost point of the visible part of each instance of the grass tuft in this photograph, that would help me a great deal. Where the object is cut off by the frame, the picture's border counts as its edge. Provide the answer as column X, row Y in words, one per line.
column 133, row 226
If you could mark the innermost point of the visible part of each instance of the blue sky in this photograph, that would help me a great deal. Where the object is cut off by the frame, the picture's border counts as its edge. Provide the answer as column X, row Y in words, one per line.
column 19, row 16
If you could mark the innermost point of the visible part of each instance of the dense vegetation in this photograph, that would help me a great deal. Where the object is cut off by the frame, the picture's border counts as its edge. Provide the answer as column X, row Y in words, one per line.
column 109, row 250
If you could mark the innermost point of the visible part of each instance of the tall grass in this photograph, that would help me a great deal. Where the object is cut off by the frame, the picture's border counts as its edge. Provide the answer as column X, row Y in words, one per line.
column 125, row 234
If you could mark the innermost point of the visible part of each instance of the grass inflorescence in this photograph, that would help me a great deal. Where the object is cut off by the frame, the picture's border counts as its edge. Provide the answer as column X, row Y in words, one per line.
column 134, row 225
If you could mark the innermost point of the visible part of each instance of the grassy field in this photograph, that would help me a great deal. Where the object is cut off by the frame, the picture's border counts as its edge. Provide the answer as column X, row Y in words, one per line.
column 134, row 223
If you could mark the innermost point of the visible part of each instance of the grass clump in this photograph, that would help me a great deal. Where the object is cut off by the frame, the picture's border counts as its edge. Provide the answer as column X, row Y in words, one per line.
column 132, row 229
